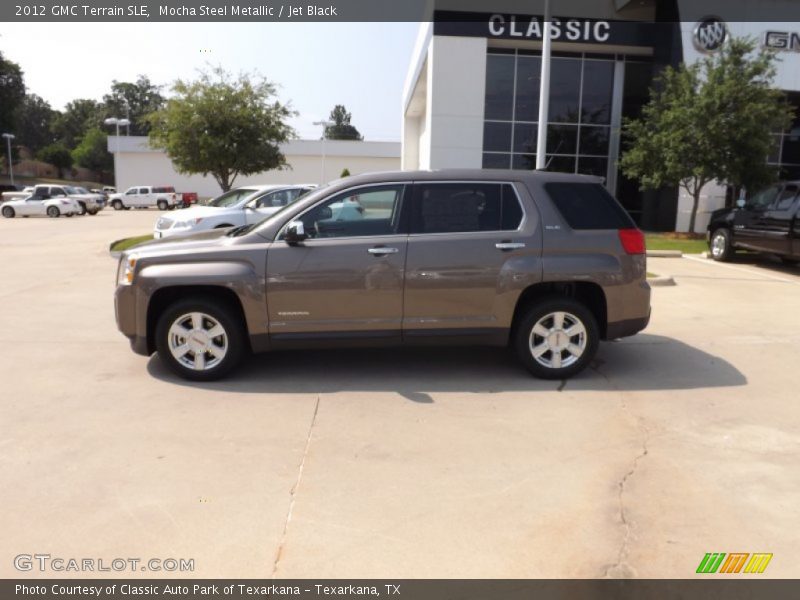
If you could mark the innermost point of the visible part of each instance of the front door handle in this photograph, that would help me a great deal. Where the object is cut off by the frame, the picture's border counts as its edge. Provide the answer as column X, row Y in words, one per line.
column 509, row 245
column 382, row 251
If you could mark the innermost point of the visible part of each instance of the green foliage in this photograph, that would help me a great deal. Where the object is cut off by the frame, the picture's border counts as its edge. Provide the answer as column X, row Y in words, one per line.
column 58, row 155
column 341, row 128
column 79, row 116
column 222, row 126
column 711, row 121
column 134, row 101
column 92, row 153
column 12, row 93
column 34, row 123
column 345, row 172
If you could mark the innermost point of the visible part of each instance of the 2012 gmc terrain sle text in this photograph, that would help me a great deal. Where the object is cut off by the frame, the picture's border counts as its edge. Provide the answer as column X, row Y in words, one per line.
column 547, row 262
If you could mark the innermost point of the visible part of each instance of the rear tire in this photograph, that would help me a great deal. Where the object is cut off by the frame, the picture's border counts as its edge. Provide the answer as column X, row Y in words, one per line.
column 8, row 212
column 162, row 205
column 720, row 245
column 53, row 212
column 186, row 342
column 556, row 338
column 92, row 212
column 117, row 205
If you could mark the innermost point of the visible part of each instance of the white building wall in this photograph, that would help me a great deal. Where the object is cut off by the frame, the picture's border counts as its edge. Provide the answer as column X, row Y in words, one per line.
column 138, row 164
column 456, row 87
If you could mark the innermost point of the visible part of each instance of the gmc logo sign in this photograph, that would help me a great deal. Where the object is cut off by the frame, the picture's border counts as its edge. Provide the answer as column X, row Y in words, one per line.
column 782, row 40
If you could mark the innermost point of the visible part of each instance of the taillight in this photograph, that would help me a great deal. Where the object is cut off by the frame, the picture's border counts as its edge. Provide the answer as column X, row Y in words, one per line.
column 632, row 241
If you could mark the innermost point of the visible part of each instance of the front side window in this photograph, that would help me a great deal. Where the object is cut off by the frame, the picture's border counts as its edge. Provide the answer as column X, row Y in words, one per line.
column 362, row 212
column 764, row 198
column 131, row 191
column 276, row 199
column 231, row 197
column 786, row 198
column 465, row 207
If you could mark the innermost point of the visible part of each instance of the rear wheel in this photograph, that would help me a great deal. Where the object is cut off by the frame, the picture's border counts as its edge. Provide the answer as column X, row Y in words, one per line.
column 8, row 212
column 162, row 205
column 53, row 212
column 93, row 212
column 720, row 245
column 556, row 338
column 117, row 204
column 200, row 339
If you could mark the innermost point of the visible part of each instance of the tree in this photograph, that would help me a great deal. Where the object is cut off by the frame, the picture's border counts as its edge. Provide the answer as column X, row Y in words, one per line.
column 34, row 123
column 58, row 155
column 222, row 126
column 341, row 128
column 79, row 116
column 711, row 121
column 92, row 153
column 12, row 93
column 345, row 173
column 134, row 101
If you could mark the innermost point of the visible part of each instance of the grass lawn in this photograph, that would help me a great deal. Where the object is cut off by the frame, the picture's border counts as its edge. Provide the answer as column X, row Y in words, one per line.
column 126, row 243
column 671, row 241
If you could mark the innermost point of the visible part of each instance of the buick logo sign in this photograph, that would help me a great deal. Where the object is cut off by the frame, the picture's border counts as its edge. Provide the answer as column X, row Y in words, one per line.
column 710, row 34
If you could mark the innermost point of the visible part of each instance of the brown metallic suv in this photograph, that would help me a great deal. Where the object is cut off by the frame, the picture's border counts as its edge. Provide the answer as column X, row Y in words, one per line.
column 547, row 262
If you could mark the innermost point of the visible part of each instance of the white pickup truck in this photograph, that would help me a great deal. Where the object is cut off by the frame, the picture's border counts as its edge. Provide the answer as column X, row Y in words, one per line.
column 146, row 196
column 28, row 191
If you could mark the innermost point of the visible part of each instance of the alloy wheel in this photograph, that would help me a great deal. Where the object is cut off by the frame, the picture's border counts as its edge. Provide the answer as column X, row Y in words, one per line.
column 558, row 340
column 197, row 341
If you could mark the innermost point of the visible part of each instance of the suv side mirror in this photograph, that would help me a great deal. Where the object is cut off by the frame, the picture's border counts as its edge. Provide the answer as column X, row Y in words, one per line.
column 295, row 232
column 740, row 203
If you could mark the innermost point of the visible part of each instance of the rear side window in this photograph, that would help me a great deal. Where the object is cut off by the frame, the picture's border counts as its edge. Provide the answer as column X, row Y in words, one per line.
column 465, row 207
column 588, row 206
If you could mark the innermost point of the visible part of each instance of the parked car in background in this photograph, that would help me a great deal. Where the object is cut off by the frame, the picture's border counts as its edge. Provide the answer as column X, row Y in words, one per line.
column 240, row 206
column 188, row 198
column 108, row 189
column 46, row 200
column 17, row 195
column 87, row 201
column 547, row 263
column 145, row 196
column 768, row 222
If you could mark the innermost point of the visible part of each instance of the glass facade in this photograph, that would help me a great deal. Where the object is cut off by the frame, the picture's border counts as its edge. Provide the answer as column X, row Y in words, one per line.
column 786, row 152
column 578, row 133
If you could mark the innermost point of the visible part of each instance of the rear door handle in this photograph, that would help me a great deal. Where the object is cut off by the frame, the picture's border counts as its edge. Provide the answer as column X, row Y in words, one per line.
column 382, row 251
column 509, row 245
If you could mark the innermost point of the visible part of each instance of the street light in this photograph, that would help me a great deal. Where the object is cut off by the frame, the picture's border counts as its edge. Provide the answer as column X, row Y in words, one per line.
column 9, row 137
column 324, row 125
column 117, row 122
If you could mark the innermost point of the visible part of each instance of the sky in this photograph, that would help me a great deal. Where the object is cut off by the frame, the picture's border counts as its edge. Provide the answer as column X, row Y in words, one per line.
column 316, row 65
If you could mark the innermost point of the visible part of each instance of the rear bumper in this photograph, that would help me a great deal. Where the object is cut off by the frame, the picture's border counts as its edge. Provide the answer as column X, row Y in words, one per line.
column 626, row 328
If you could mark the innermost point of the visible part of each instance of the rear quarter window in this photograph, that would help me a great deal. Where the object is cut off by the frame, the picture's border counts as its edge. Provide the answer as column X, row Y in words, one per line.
column 588, row 206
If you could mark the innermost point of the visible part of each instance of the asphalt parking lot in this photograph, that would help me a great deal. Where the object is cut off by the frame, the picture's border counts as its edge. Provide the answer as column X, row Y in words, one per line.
column 416, row 463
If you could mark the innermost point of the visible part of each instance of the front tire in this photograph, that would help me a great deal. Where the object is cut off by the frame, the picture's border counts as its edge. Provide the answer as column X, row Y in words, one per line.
column 556, row 338
column 720, row 245
column 53, row 212
column 82, row 208
column 8, row 212
column 117, row 205
column 200, row 339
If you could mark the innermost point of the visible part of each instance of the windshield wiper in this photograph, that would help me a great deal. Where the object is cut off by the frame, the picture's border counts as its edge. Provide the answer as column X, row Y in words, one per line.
column 240, row 230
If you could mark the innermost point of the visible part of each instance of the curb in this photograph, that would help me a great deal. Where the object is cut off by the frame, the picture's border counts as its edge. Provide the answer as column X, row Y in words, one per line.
column 665, row 253
column 115, row 253
column 662, row 281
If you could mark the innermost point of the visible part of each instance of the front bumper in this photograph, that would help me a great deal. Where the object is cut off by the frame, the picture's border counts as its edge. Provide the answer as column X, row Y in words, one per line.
column 125, row 313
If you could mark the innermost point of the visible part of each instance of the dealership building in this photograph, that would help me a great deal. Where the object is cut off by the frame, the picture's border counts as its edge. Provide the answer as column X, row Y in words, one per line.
column 471, row 96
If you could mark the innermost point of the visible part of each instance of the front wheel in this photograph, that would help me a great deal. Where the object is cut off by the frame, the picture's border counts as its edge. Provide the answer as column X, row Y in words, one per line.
column 117, row 204
column 8, row 212
column 557, row 338
column 200, row 339
column 53, row 212
column 721, row 249
column 81, row 208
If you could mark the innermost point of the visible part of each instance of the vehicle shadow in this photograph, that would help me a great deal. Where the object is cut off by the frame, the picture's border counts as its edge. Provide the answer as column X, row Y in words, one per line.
column 644, row 362
column 765, row 261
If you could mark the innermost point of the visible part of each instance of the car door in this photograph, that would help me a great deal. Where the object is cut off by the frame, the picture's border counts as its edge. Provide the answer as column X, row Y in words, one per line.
column 345, row 281
column 463, row 235
column 130, row 197
column 775, row 222
column 748, row 224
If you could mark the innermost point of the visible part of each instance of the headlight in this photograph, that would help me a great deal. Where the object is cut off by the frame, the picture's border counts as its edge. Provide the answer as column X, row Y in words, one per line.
column 125, row 271
column 187, row 223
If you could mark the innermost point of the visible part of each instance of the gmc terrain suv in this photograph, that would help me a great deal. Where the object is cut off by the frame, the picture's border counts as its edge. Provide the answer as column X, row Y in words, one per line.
column 546, row 262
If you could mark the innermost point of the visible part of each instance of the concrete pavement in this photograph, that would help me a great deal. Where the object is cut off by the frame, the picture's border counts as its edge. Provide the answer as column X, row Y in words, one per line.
column 414, row 463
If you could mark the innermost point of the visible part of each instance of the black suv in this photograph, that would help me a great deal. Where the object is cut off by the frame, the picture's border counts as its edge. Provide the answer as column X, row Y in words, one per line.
column 768, row 222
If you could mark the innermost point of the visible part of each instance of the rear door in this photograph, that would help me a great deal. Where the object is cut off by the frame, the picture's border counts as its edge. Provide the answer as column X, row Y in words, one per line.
column 464, row 237
column 346, row 280
column 774, row 223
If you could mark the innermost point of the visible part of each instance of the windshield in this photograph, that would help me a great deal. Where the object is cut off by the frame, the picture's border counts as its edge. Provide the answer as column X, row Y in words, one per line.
column 232, row 197
column 72, row 190
column 82, row 190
